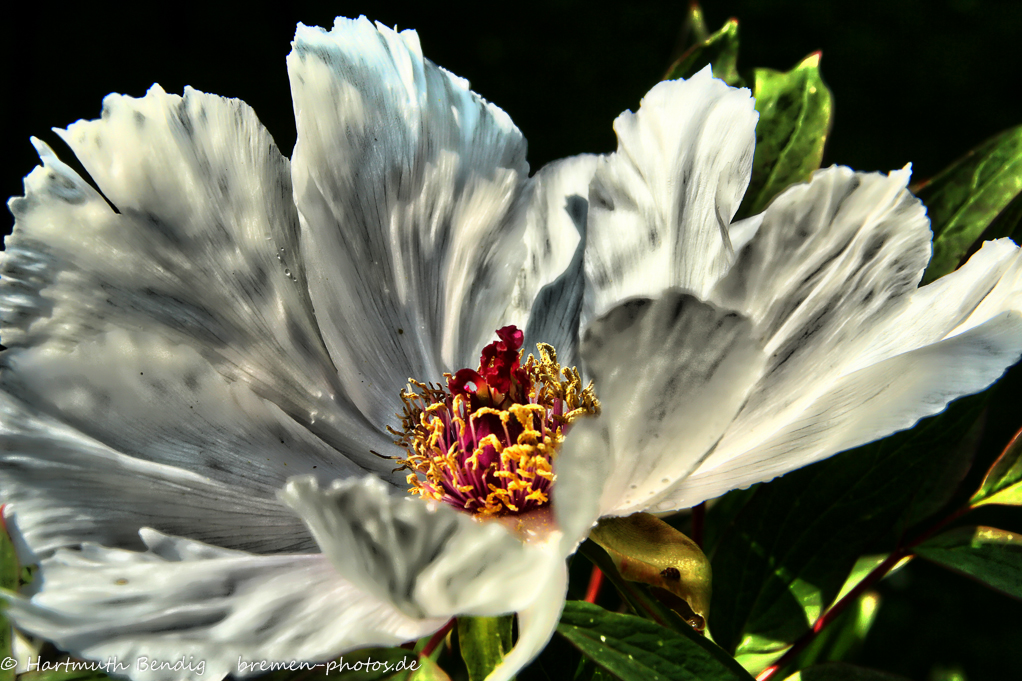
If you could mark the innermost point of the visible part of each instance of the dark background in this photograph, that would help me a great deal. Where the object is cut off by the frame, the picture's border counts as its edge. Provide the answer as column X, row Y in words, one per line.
column 916, row 81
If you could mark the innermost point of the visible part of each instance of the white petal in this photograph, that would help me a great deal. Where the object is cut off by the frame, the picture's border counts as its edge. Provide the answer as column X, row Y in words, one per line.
column 429, row 560
column 661, row 206
column 63, row 488
column 160, row 401
column 865, row 405
column 410, row 189
column 833, row 260
column 547, row 302
column 185, row 601
column 202, row 250
column 670, row 373
column 536, row 625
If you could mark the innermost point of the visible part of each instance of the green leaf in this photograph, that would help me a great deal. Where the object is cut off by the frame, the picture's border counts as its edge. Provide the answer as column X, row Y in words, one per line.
column 839, row 671
column 794, row 543
column 719, row 51
column 634, row 649
column 9, row 573
column 483, row 641
column 428, row 671
column 843, row 636
column 795, row 115
column 988, row 554
column 1003, row 482
column 963, row 200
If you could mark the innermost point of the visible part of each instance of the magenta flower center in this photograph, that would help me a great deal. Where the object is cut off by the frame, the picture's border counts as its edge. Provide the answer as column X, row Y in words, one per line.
column 486, row 443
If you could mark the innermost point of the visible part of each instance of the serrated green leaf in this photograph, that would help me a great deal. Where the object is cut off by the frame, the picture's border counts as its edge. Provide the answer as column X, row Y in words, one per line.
column 1003, row 482
column 988, row 554
column 719, row 51
column 795, row 114
column 635, row 649
column 794, row 543
column 9, row 573
column 963, row 200
column 483, row 641
column 840, row 671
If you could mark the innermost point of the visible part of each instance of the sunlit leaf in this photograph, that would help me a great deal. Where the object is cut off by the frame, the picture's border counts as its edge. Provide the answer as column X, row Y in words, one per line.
column 839, row 671
column 988, row 554
column 719, row 51
column 963, row 200
column 8, row 580
column 635, row 649
column 428, row 671
column 795, row 115
column 794, row 543
column 483, row 642
column 1003, row 482
column 844, row 635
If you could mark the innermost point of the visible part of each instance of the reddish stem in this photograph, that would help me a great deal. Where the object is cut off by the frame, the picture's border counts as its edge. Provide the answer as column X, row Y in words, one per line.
column 431, row 645
column 595, row 582
column 878, row 573
column 698, row 521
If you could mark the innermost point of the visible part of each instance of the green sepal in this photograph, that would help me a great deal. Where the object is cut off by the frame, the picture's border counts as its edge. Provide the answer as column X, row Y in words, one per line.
column 966, row 197
column 1003, row 482
column 990, row 555
column 646, row 549
column 796, row 111
column 635, row 649
column 719, row 52
column 484, row 641
column 637, row 595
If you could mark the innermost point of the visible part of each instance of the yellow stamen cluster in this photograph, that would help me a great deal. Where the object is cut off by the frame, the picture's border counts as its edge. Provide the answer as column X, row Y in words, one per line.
column 491, row 459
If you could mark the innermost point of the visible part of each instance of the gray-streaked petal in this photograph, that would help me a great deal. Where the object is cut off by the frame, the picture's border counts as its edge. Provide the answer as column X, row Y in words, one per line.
column 411, row 191
column 670, row 374
column 547, row 302
column 660, row 208
column 200, row 248
column 832, row 262
column 866, row 405
column 63, row 488
column 427, row 559
column 185, row 601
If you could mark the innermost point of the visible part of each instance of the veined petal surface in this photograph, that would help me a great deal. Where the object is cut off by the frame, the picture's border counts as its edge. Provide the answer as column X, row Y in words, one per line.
column 857, row 351
column 185, row 601
column 411, row 190
column 428, row 559
column 671, row 374
column 199, row 249
column 661, row 205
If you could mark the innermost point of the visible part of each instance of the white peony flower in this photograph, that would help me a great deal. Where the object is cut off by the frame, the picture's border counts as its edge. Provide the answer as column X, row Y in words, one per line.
column 203, row 362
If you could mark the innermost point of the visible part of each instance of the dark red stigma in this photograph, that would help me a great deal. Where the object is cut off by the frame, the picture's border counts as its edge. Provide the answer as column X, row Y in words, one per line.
column 500, row 376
